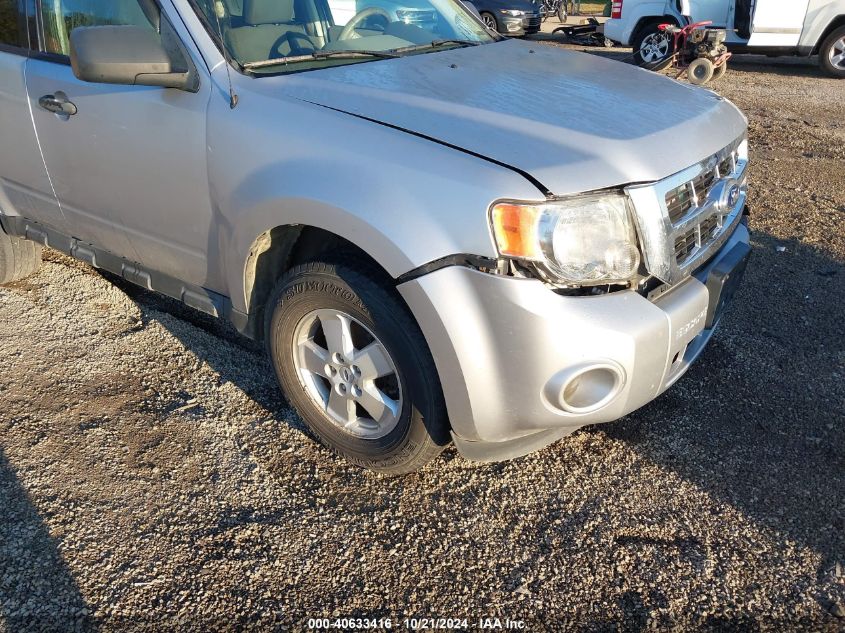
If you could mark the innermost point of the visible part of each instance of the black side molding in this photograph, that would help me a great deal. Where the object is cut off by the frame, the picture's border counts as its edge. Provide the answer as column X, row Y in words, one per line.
column 478, row 262
column 191, row 295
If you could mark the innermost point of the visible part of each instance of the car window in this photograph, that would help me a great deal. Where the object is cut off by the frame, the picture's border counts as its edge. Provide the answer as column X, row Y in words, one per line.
column 272, row 36
column 60, row 17
column 13, row 23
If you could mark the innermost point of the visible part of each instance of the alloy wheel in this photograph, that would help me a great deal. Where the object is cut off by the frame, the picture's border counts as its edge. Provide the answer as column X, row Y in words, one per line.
column 837, row 53
column 654, row 48
column 348, row 373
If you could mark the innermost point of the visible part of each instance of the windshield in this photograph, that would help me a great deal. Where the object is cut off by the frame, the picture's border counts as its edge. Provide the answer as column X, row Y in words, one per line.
column 273, row 36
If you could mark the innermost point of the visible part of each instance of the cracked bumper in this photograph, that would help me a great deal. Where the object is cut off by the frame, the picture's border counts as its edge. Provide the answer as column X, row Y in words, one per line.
column 500, row 344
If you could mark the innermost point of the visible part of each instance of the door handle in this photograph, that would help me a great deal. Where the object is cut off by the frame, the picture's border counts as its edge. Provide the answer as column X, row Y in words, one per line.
column 58, row 103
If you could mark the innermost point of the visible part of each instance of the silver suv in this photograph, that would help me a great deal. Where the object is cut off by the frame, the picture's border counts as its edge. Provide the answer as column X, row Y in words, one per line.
column 431, row 245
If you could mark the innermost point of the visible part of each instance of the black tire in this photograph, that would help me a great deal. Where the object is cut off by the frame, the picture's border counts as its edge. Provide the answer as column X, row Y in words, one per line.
column 700, row 71
column 365, row 294
column 833, row 45
column 489, row 20
column 561, row 12
column 18, row 258
column 650, row 30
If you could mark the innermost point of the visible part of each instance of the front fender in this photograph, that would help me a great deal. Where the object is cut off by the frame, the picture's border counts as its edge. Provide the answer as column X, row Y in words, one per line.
column 404, row 200
column 820, row 15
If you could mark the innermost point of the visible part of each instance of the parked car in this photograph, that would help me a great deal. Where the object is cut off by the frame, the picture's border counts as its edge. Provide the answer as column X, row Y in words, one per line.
column 418, row 12
column 771, row 27
column 510, row 17
column 425, row 259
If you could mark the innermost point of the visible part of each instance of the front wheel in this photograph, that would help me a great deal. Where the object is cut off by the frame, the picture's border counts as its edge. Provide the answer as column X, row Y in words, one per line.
column 490, row 21
column 832, row 53
column 356, row 367
column 561, row 12
column 653, row 48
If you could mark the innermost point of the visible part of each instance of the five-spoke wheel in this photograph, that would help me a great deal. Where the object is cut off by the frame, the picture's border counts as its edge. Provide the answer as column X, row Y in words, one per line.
column 355, row 365
column 348, row 372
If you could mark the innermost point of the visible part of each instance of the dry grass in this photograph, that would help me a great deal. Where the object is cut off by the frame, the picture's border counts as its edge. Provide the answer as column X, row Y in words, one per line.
column 589, row 8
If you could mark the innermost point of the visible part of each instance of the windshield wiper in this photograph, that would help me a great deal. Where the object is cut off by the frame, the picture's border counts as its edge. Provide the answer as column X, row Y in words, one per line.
column 459, row 42
column 436, row 44
column 350, row 54
column 354, row 54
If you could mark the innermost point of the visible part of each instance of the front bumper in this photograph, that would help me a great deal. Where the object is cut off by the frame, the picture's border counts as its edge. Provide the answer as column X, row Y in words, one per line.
column 505, row 347
column 519, row 26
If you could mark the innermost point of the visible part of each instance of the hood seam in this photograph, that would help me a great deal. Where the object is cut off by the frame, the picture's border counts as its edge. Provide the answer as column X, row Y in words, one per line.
column 543, row 189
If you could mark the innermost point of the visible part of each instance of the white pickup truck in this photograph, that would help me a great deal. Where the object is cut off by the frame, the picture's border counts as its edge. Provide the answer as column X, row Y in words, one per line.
column 771, row 27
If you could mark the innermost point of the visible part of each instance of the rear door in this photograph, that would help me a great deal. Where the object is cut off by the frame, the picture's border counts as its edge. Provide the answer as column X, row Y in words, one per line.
column 129, row 167
column 778, row 23
column 715, row 11
column 25, row 189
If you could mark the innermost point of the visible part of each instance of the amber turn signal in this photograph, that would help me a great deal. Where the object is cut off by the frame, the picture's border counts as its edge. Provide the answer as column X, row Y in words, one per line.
column 515, row 227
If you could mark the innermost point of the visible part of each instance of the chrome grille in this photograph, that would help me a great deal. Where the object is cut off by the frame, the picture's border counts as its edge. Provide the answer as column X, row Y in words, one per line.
column 685, row 244
column 687, row 217
column 728, row 165
column 681, row 199
column 708, row 228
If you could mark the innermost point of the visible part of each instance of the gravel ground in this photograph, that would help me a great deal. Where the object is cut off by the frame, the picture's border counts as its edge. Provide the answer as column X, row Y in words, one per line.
column 152, row 477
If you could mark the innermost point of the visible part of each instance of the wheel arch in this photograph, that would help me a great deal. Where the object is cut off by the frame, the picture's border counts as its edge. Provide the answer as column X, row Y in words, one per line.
column 280, row 249
column 275, row 251
column 836, row 23
column 651, row 19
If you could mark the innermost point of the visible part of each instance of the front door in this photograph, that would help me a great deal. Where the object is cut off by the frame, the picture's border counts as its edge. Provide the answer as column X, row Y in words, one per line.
column 128, row 166
column 25, row 189
column 777, row 23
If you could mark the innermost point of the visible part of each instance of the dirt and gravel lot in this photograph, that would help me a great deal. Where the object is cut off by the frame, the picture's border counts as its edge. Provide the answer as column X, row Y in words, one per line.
column 151, row 476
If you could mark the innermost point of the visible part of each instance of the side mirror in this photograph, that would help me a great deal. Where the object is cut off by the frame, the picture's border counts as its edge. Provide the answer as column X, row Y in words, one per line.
column 126, row 55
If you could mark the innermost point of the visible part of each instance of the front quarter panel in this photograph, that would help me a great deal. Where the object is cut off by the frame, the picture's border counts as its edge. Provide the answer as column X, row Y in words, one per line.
column 820, row 15
column 404, row 200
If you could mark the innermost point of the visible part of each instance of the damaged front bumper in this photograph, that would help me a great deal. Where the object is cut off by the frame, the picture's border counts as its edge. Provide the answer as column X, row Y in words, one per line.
column 522, row 366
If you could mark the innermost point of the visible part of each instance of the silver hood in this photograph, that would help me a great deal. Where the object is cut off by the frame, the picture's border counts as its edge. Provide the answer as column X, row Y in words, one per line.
column 575, row 122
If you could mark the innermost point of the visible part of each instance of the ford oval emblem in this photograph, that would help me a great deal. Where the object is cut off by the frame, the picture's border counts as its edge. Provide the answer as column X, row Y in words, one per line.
column 733, row 196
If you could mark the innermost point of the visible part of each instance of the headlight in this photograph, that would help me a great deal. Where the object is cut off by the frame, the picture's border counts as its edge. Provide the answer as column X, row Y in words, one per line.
column 585, row 241
column 514, row 12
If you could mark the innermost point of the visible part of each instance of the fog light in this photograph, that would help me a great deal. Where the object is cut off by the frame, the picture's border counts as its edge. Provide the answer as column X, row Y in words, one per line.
column 514, row 27
column 586, row 388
